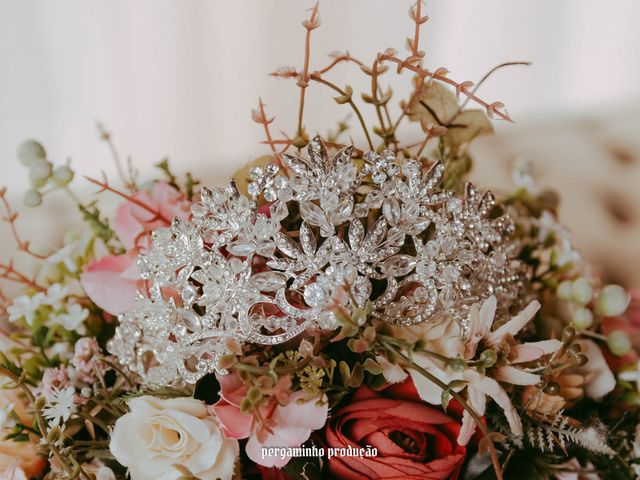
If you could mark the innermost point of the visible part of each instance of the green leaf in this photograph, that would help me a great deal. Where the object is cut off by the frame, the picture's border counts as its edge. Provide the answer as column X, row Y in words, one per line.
column 467, row 126
column 435, row 104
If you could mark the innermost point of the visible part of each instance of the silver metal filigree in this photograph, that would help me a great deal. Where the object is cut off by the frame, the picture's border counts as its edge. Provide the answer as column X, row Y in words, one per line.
column 330, row 235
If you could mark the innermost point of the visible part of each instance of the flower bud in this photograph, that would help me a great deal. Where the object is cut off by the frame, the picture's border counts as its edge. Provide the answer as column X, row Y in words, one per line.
column 360, row 317
column 457, row 364
column 29, row 151
column 582, row 291
column 568, row 334
column 579, row 360
column 565, row 290
column 62, row 175
column 32, row 198
column 619, row 343
column 488, row 358
column 613, row 300
column 39, row 172
column 552, row 388
column 582, row 318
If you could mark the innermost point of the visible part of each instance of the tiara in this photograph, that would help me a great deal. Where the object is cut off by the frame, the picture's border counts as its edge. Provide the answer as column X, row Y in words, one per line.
column 326, row 237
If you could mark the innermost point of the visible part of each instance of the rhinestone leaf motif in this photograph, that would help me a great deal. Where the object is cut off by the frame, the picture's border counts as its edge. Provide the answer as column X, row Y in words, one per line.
column 385, row 233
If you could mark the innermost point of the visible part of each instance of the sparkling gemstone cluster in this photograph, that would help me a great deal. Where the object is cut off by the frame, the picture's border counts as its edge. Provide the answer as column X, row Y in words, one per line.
column 330, row 234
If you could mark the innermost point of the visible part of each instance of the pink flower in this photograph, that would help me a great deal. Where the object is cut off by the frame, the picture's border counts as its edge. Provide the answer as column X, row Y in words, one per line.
column 379, row 419
column 287, row 425
column 86, row 352
column 134, row 222
column 54, row 379
column 111, row 282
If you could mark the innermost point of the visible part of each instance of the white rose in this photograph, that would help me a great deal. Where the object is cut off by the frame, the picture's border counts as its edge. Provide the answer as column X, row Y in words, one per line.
column 160, row 433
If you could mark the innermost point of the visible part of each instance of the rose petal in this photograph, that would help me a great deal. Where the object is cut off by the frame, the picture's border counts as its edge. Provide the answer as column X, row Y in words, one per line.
column 104, row 283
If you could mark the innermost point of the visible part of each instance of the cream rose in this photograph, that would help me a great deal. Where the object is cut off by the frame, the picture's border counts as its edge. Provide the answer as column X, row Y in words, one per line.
column 160, row 433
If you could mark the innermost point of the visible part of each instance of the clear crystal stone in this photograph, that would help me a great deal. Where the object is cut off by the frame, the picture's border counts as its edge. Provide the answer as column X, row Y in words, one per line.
column 241, row 248
column 398, row 265
column 268, row 281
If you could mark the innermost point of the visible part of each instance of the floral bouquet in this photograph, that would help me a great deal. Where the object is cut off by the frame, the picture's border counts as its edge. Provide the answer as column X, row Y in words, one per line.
column 341, row 310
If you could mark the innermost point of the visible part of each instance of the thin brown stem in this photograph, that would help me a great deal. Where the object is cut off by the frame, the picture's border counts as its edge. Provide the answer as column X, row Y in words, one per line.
column 265, row 122
column 405, row 110
column 303, row 81
column 11, row 274
column 350, row 102
column 340, row 59
column 424, row 73
column 23, row 245
column 104, row 186
column 422, row 146
column 106, row 137
column 415, row 50
column 479, row 84
column 376, row 102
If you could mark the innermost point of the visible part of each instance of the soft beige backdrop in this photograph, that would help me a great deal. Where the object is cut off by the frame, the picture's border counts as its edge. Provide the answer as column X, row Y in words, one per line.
column 179, row 77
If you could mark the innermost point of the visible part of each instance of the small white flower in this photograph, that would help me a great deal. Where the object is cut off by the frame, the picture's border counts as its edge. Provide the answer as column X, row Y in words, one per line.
column 72, row 320
column 55, row 296
column 25, row 307
column 60, row 406
column 64, row 256
column 69, row 254
column 522, row 173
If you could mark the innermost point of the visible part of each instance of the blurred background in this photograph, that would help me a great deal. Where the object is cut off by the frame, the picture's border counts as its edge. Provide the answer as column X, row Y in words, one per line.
column 178, row 79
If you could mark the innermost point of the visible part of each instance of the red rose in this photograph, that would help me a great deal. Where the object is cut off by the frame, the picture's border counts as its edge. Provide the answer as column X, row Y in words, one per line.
column 413, row 440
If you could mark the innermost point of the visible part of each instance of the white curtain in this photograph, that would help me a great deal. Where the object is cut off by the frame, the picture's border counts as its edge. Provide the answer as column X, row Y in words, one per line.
column 179, row 77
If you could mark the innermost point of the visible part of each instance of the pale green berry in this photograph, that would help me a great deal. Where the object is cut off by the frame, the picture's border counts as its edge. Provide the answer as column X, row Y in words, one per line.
column 62, row 175
column 613, row 300
column 32, row 198
column 565, row 290
column 582, row 291
column 39, row 172
column 29, row 151
column 619, row 343
column 582, row 318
